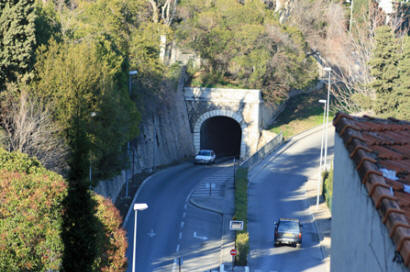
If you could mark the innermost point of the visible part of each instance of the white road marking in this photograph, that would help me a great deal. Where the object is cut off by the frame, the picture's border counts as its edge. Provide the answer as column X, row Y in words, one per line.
column 203, row 238
column 174, row 265
column 183, row 215
column 151, row 233
column 180, row 235
column 185, row 206
column 182, row 224
column 178, row 248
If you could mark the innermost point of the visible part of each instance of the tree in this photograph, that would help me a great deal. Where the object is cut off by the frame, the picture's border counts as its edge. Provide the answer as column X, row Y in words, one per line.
column 384, row 69
column 17, row 40
column 84, row 78
column 244, row 45
column 402, row 111
column 31, row 130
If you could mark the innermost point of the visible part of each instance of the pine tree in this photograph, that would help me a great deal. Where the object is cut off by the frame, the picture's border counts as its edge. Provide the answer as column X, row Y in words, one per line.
column 384, row 69
column 402, row 92
column 17, row 39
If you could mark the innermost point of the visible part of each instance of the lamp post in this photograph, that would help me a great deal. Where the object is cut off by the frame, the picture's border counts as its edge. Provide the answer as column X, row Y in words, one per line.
column 351, row 14
column 329, row 70
column 137, row 207
column 324, row 102
column 93, row 114
column 130, row 74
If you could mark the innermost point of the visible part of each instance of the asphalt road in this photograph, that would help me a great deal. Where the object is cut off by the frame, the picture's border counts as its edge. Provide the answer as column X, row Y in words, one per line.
column 276, row 190
column 172, row 228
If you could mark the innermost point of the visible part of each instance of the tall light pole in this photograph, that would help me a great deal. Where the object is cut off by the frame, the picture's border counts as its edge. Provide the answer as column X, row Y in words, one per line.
column 329, row 70
column 93, row 114
column 351, row 14
column 324, row 102
column 130, row 74
column 137, row 207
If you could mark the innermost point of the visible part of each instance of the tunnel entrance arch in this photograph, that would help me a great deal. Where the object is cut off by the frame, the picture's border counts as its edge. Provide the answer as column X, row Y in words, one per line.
column 223, row 135
column 222, row 131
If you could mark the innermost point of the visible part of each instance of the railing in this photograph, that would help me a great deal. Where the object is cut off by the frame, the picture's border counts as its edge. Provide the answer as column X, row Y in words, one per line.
column 263, row 151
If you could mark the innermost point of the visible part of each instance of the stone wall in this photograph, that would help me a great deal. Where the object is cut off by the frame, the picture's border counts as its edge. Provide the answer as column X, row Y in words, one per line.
column 360, row 241
column 165, row 137
column 242, row 105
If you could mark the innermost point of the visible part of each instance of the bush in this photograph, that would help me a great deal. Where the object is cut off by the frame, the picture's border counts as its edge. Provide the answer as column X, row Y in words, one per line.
column 241, row 213
column 31, row 210
column 328, row 187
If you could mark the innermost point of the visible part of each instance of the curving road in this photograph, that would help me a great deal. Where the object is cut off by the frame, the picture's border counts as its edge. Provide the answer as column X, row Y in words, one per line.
column 277, row 189
column 171, row 227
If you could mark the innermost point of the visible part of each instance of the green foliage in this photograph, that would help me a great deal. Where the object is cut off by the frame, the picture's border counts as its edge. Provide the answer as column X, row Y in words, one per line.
column 111, row 241
column 328, row 187
column 19, row 162
column 47, row 226
column 31, row 210
column 389, row 67
column 244, row 45
column 242, row 245
column 241, row 213
column 17, row 40
column 81, row 79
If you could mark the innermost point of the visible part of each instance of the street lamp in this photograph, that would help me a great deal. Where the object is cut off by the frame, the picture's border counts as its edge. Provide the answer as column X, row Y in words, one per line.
column 130, row 74
column 324, row 102
column 351, row 14
column 329, row 70
column 137, row 207
column 92, row 114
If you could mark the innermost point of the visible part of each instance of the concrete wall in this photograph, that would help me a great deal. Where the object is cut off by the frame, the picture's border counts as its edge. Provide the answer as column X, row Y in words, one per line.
column 165, row 137
column 360, row 242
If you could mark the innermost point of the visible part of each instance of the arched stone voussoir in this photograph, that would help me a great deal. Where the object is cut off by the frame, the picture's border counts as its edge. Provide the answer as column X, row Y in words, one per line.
column 237, row 117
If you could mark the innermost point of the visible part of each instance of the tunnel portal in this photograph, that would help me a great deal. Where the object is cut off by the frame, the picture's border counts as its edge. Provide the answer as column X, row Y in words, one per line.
column 223, row 135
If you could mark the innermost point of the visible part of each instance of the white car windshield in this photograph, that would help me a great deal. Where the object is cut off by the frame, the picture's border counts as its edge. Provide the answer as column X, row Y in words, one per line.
column 204, row 153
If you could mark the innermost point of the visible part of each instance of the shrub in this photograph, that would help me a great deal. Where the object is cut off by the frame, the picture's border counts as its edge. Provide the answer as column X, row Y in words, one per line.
column 31, row 212
column 241, row 213
column 328, row 187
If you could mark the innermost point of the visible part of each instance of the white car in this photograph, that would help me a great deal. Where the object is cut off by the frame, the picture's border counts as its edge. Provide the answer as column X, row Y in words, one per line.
column 205, row 156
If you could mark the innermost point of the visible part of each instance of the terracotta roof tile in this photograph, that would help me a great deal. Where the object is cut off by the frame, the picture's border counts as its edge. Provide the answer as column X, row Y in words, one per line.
column 380, row 148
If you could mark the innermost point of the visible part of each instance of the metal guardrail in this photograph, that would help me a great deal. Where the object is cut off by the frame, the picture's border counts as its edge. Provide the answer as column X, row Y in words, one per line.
column 263, row 152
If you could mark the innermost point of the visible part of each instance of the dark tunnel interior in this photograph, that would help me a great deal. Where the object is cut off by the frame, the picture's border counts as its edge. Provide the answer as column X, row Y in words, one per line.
column 223, row 135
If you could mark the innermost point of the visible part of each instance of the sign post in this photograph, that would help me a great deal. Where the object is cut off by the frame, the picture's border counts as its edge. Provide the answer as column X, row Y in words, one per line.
column 233, row 252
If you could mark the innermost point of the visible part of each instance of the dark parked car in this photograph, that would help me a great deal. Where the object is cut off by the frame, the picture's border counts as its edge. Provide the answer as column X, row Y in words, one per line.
column 288, row 231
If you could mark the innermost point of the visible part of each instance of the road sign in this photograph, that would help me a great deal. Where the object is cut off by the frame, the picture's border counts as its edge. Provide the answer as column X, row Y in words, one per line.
column 234, row 252
column 235, row 225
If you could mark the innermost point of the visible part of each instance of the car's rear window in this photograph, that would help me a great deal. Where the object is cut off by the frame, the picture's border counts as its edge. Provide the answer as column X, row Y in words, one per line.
column 204, row 153
column 288, row 226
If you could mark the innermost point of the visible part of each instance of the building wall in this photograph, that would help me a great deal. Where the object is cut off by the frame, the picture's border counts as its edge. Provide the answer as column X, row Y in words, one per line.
column 360, row 242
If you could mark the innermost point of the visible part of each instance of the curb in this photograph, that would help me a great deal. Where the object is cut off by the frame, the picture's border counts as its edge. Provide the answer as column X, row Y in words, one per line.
column 203, row 207
column 135, row 197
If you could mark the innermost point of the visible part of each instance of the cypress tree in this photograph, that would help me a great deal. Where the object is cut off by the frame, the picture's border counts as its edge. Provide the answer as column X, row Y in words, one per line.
column 17, row 39
column 402, row 92
column 384, row 69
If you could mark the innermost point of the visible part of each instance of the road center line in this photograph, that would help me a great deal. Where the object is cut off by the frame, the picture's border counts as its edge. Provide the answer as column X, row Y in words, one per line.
column 182, row 224
column 180, row 235
column 183, row 215
column 178, row 248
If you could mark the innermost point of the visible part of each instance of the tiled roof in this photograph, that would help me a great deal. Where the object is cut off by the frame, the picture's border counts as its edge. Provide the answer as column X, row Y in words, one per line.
column 380, row 149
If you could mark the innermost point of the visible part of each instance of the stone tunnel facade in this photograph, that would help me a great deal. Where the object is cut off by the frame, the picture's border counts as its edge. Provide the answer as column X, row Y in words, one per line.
column 217, row 116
